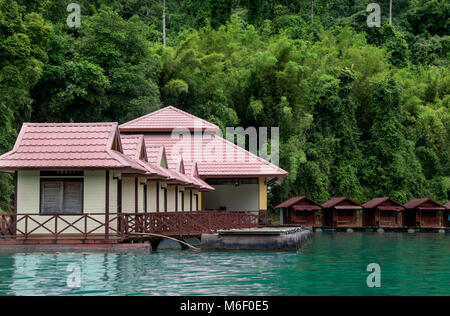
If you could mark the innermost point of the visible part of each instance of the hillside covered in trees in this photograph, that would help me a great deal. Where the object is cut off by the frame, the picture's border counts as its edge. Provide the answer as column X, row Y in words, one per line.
column 363, row 112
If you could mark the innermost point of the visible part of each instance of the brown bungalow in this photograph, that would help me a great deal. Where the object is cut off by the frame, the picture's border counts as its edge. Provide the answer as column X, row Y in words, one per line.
column 383, row 212
column 341, row 212
column 299, row 210
column 447, row 215
column 423, row 213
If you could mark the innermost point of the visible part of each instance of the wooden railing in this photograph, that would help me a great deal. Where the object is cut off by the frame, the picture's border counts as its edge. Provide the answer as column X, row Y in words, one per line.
column 190, row 223
column 121, row 226
column 60, row 227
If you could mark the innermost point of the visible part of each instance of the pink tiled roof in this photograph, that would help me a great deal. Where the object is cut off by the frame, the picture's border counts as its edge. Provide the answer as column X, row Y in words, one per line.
column 133, row 146
column 189, row 169
column 378, row 201
column 447, row 206
column 166, row 120
column 334, row 202
column 68, row 146
column 418, row 202
column 154, row 154
column 215, row 156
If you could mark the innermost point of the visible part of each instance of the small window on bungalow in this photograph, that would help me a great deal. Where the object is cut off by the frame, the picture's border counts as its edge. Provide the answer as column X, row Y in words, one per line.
column 61, row 197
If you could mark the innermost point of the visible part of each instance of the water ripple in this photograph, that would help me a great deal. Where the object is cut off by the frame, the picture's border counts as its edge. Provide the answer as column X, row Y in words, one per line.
column 332, row 264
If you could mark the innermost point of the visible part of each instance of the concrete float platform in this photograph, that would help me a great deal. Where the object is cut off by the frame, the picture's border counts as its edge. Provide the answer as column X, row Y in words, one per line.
column 81, row 248
column 384, row 229
column 266, row 238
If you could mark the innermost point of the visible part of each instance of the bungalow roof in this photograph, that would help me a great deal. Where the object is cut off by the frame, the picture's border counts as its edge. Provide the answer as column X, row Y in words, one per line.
column 55, row 146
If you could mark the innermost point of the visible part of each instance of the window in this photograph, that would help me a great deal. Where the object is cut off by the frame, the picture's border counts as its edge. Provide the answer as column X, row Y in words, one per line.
column 60, row 197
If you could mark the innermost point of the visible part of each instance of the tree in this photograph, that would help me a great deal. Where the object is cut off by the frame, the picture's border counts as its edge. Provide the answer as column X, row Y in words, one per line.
column 120, row 48
column 22, row 54
column 164, row 23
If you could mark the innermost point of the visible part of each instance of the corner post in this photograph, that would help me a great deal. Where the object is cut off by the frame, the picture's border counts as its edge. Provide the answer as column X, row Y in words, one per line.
column 107, row 205
column 14, row 228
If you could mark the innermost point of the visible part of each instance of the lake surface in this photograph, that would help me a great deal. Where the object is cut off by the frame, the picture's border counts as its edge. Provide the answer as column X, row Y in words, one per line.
column 331, row 264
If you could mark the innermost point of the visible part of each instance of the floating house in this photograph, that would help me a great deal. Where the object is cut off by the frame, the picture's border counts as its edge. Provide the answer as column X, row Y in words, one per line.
column 240, row 179
column 423, row 213
column 99, row 181
column 447, row 215
column 383, row 212
column 341, row 212
column 299, row 210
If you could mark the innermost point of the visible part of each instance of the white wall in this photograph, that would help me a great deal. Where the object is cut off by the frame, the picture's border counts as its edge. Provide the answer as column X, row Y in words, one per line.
column 241, row 198
column 28, row 192
column 151, row 197
column 94, row 192
column 141, row 205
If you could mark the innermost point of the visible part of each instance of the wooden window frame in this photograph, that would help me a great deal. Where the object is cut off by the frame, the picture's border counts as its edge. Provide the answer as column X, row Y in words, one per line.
column 79, row 180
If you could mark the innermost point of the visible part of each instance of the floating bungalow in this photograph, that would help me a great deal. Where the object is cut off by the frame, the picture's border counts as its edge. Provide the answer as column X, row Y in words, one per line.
column 383, row 212
column 423, row 213
column 299, row 210
column 101, row 182
column 341, row 212
column 447, row 215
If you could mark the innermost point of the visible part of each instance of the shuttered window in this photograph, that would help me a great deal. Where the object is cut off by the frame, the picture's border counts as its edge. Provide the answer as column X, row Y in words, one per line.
column 62, row 197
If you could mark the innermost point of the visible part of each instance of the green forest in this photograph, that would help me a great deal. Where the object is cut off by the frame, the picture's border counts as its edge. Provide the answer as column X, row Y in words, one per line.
column 363, row 112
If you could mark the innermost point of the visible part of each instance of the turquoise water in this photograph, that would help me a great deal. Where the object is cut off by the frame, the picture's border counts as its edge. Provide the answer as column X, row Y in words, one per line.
column 331, row 264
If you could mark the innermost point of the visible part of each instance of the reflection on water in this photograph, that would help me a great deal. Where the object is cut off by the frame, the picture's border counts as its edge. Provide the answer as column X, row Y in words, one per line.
column 332, row 264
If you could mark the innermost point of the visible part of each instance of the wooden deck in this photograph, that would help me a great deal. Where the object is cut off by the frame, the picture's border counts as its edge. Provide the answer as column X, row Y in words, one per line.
column 119, row 228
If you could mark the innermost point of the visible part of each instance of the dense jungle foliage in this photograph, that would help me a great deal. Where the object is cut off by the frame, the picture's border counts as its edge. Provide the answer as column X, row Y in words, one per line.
column 363, row 112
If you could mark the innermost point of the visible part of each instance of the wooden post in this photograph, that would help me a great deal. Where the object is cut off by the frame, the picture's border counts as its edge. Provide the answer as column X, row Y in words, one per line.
column 119, row 205
column 165, row 200
column 136, row 195
column 14, row 232
column 176, row 198
column 157, row 197
column 182, row 201
column 145, row 199
column 107, row 206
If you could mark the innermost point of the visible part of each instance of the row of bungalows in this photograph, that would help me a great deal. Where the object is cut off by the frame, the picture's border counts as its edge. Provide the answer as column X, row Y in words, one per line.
column 379, row 212
column 76, row 180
